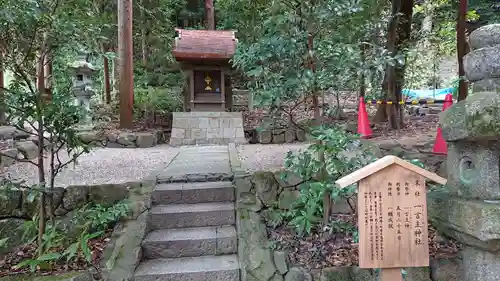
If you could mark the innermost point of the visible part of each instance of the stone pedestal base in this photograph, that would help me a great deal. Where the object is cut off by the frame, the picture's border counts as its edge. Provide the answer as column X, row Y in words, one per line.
column 481, row 265
column 217, row 128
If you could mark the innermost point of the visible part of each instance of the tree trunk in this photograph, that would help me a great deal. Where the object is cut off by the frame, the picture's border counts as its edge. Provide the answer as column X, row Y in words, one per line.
column 389, row 84
column 126, row 75
column 404, row 32
column 107, row 86
column 362, row 82
column 209, row 14
column 461, row 50
column 41, row 142
column 2, row 95
column 144, row 36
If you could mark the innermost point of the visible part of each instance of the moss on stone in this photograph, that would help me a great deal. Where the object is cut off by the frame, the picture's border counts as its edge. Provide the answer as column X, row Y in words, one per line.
column 476, row 117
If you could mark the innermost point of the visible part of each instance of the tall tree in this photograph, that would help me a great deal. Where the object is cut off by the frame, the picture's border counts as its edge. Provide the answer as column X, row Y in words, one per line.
column 2, row 85
column 461, row 49
column 125, row 60
column 210, row 14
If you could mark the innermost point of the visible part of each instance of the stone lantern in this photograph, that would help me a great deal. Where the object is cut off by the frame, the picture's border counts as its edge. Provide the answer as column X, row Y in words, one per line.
column 83, row 71
column 471, row 212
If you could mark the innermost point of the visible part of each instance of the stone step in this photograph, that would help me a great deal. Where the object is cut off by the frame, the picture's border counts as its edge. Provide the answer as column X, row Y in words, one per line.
column 190, row 242
column 192, row 215
column 205, row 268
column 189, row 193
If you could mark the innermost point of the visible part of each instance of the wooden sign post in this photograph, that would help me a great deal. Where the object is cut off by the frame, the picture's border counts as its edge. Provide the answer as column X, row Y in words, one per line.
column 392, row 215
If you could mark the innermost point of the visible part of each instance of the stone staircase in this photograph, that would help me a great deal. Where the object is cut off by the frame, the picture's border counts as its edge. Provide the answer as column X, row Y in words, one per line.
column 192, row 235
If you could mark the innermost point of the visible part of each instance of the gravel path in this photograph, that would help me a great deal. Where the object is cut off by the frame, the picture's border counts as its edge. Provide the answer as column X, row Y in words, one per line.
column 116, row 165
column 269, row 157
column 104, row 165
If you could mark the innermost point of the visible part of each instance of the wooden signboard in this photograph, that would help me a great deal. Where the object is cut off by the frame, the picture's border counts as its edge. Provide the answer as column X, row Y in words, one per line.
column 392, row 215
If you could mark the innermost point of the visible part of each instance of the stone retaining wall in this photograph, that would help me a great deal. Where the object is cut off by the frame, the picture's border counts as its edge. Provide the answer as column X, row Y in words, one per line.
column 23, row 146
column 258, row 196
column 123, row 251
column 277, row 136
column 124, row 139
column 190, row 128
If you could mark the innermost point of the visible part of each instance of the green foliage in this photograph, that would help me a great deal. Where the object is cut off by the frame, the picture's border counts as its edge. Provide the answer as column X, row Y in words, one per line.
column 344, row 154
column 96, row 220
column 159, row 100
column 100, row 218
column 277, row 64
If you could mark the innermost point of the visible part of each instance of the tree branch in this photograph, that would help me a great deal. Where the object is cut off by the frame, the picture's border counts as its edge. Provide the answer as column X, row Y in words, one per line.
column 18, row 159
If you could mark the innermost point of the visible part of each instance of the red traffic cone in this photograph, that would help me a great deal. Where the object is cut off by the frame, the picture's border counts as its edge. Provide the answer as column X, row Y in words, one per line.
column 440, row 146
column 363, row 123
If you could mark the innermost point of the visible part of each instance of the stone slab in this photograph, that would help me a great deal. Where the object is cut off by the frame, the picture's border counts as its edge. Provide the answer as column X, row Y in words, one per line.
column 190, row 242
column 199, row 161
column 190, row 193
column 480, row 265
column 220, row 268
column 191, row 215
column 471, row 222
column 205, row 128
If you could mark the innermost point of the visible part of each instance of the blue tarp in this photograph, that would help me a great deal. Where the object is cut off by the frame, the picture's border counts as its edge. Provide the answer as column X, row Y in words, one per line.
column 437, row 94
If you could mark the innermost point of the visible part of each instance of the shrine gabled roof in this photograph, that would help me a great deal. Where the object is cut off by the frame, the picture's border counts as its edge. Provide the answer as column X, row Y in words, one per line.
column 382, row 163
column 204, row 44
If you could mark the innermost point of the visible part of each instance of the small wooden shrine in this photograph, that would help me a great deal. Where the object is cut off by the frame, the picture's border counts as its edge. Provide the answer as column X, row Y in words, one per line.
column 204, row 56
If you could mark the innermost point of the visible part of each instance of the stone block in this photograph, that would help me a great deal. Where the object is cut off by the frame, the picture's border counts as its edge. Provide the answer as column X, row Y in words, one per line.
column 203, row 123
column 473, row 223
column 188, row 142
column 239, row 132
column 111, row 144
column 213, row 122
column 487, row 85
column 127, row 238
column 229, row 133
column 89, row 136
column 193, row 123
column 298, row 274
column 301, row 135
column 485, row 36
column 126, row 138
column 145, row 140
column 214, row 133
column 198, row 134
column 237, row 122
column 6, row 161
column 477, row 118
column 290, row 136
column 180, row 123
column 225, row 123
column 240, row 140
column 178, row 133
column 280, row 261
column 191, row 215
column 264, row 136
column 480, row 265
column 278, row 136
column 7, row 132
column 176, row 141
column 482, row 63
column 473, row 169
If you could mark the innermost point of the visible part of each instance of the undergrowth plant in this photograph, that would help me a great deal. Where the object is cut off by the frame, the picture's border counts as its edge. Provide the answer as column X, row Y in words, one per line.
column 344, row 153
column 63, row 245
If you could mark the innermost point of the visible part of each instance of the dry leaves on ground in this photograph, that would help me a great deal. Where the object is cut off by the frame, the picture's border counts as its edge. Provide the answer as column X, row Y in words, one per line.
column 8, row 261
column 338, row 248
